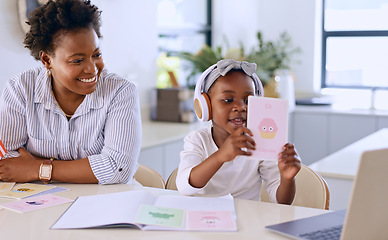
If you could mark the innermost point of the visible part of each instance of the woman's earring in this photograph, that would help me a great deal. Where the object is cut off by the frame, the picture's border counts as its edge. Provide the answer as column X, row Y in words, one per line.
column 48, row 72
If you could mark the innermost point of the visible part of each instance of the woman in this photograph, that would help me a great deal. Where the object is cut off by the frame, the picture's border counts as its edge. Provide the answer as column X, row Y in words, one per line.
column 69, row 120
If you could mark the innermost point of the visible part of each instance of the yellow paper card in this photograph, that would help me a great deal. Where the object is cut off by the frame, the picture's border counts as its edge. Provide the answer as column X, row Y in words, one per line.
column 25, row 190
column 6, row 186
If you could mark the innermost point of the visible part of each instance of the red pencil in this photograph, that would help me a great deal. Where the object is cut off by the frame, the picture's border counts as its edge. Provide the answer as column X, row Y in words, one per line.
column 3, row 151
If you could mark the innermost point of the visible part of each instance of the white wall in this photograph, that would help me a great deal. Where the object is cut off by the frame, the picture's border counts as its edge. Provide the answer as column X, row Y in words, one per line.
column 129, row 43
column 14, row 57
column 129, row 31
column 235, row 21
column 241, row 20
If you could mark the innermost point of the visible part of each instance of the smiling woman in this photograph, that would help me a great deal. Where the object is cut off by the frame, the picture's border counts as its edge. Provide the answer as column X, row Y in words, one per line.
column 69, row 120
column 79, row 58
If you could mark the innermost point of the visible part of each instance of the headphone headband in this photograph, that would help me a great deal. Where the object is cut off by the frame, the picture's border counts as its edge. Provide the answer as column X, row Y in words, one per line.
column 201, row 100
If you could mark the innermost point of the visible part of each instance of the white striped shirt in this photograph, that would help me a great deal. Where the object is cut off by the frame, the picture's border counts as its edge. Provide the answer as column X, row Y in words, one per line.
column 106, row 127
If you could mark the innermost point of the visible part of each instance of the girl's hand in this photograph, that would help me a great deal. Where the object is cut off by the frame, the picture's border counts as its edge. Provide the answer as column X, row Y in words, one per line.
column 289, row 162
column 24, row 168
column 234, row 144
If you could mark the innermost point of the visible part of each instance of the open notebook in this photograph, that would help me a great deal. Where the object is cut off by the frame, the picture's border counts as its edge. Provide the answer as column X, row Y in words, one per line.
column 145, row 210
column 367, row 213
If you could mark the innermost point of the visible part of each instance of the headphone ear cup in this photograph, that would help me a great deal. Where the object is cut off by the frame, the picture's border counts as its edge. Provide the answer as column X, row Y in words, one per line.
column 208, row 105
column 202, row 104
column 198, row 108
column 202, row 107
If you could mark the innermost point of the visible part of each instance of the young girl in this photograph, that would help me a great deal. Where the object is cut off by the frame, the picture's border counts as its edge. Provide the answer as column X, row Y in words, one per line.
column 214, row 160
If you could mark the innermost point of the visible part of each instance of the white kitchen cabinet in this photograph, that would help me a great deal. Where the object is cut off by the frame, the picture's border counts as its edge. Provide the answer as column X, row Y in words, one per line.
column 310, row 132
column 320, row 131
column 172, row 156
column 340, row 168
column 382, row 122
column 153, row 157
column 163, row 158
column 162, row 144
column 345, row 129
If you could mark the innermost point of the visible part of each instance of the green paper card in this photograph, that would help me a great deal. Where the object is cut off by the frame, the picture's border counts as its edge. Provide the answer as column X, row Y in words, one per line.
column 160, row 216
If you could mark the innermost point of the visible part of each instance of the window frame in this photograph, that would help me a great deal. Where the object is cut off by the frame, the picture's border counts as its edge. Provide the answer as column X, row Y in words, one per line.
column 344, row 33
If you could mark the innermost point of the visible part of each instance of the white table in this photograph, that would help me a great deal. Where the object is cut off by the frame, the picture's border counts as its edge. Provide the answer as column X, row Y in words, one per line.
column 340, row 168
column 252, row 216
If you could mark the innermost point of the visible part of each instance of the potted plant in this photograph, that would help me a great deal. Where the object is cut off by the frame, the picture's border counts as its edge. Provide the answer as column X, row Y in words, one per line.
column 273, row 57
column 200, row 61
column 269, row 56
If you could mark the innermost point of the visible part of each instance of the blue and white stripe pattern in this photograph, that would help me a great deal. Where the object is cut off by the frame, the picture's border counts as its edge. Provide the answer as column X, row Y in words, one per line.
column 106, row 127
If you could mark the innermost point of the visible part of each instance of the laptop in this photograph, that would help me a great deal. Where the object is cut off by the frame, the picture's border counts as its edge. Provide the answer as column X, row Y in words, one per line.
column 367, row 214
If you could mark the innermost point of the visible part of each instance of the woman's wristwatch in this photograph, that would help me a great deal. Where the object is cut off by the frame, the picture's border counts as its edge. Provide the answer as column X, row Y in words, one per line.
column 45, row 170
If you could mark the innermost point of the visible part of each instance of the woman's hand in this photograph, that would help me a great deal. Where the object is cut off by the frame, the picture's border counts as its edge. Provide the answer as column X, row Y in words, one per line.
column 24, row 168
column 289, row 162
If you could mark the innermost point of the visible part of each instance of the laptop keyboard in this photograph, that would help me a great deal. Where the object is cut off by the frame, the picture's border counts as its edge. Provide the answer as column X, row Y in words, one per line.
column 324, row 234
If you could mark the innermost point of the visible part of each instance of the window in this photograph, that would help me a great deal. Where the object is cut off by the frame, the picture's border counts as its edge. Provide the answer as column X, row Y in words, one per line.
column 183, row 26
column 355, row 44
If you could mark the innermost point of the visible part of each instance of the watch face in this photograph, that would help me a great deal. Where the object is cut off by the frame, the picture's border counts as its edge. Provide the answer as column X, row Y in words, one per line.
column 46, row 171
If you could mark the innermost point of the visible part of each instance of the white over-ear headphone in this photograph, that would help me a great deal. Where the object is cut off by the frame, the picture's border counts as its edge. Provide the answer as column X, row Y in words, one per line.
column 202, row 105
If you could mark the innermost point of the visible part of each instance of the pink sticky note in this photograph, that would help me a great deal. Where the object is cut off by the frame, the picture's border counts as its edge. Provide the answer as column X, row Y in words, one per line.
column 268, row 121
column 35, row 203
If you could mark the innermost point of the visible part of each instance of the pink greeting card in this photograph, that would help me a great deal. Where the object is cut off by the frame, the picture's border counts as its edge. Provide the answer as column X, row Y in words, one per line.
column 35, row 203
column 210, row 221
column 268, row 121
